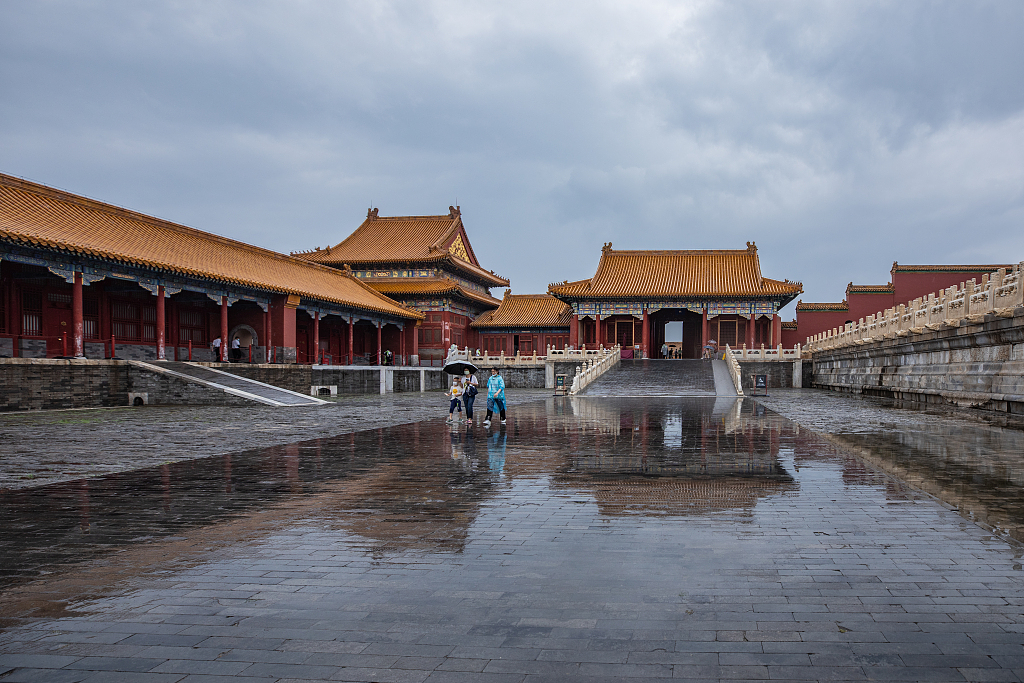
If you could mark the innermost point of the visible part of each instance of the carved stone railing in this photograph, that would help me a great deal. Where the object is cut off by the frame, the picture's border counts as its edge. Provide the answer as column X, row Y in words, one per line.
column 996, row 294
column 734, row 368
column 532, row 360
column 768, row 353
column 594, row 367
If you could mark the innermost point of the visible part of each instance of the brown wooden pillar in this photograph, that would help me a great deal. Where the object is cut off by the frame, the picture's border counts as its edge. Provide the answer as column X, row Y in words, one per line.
column 351, row 341
column 703, row 330
column 645, row 338
column 380, row 331
column 223, row 329
column 161, row 324
column 77, row 319
column 316, row 337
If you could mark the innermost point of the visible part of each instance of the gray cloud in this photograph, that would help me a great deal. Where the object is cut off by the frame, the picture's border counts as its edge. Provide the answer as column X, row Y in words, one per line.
column 839, row 136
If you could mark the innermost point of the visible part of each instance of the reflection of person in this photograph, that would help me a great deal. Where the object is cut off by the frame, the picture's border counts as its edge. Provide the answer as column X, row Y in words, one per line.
column 496, row 452
column 495, row 396
column 455, row 404
column 470, row 386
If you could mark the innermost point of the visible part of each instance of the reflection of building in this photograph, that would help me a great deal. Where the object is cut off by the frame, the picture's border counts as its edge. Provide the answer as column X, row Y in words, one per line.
column 78, row 277
column 426, row 263
column 716, row 294
column 906, row 283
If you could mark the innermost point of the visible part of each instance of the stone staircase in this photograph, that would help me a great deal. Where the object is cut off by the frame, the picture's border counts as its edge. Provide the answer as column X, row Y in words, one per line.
column 663, row 378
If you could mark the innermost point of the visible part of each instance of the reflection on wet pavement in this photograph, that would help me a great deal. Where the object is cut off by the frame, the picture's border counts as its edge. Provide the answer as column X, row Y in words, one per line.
column 960, row 458
column 641, row 537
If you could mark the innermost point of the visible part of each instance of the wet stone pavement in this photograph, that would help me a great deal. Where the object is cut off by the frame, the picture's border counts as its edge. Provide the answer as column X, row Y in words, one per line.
column 590, row 539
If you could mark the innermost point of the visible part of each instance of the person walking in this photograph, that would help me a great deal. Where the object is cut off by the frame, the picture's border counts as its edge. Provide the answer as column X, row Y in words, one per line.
column 216, row 349
column 470, row 387
column 495, row 396
column 454, row 393
column 664, row 350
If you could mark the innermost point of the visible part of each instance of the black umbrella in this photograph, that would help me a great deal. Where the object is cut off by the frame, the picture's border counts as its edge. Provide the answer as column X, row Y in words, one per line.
column 457, row 367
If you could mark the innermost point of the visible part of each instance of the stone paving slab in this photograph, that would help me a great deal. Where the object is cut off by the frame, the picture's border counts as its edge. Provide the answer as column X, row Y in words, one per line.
column 592, row 539
column 44, row 447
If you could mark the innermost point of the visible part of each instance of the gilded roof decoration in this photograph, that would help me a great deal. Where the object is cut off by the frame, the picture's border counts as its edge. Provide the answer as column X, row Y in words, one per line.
column 40, row 216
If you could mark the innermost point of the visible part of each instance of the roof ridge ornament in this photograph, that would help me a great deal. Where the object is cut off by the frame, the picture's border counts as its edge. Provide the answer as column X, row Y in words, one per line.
column 371, row 214
column 454, row 211
column 606, row 248
column 752, row 247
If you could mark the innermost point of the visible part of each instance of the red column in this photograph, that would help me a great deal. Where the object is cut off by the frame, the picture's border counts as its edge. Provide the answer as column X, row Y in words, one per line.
column 77, row 319
column 316, row 337
column 161, row 324
column 223, row 329
column 574, row 331
column 776, row 329
column 267, row 340
column 351, row 341
column 401, row 345
column 703, row 329
column 645, row 340
column 750, row 331
column 597, row 330
column 380, row 329
column 416, row 340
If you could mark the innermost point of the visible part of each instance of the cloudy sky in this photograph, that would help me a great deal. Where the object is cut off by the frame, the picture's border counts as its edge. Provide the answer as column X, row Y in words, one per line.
column 838, row 136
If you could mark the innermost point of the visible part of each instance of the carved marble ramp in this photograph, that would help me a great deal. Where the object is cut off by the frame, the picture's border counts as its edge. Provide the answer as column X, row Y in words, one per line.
column 657, row 378
column 232, row 384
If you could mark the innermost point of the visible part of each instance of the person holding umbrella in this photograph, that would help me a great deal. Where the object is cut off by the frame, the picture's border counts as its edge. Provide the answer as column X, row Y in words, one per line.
column 469, row 391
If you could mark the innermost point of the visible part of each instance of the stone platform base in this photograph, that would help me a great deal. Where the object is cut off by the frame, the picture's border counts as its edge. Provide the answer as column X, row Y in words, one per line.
column 979, row 365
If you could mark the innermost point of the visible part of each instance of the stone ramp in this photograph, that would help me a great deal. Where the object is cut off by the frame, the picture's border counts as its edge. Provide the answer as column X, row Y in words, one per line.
column 658, row 378
column 235, row 385
column 724, row 386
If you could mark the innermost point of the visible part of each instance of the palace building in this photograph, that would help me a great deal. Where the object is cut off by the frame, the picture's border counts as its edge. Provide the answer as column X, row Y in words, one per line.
column 82, row 278
column 524, row 324
column 716, row 294
column 427, row 264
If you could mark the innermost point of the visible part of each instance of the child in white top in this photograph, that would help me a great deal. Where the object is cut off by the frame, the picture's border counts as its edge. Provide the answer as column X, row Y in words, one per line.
column 455, row 393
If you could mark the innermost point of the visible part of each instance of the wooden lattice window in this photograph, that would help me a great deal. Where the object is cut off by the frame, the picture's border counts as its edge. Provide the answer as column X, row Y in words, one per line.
column 126, row 320
column 192, row 326
column 32, row 313
column 91, row 318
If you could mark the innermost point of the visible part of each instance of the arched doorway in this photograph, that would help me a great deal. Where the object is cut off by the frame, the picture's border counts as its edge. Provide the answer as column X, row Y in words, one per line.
column 690, row 337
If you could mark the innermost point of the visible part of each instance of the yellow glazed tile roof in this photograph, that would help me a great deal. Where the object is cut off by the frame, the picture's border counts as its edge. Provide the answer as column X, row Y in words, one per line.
column 40, row 216
column 825, row 306
column 690, row 273
column 406, row 239
column 527, row 310
column 956, row 268
column 429, row 287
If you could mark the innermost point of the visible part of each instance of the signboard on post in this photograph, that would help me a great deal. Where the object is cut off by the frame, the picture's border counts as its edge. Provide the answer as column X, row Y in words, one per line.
column 561, row 387
column 760, row 384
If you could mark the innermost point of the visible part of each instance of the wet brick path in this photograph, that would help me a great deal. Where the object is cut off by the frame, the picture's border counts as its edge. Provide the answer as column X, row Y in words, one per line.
column 63, row 445
column 592, row 539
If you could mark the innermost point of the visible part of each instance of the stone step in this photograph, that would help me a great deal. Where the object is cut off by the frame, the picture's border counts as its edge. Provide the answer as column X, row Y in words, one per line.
column 657, row 378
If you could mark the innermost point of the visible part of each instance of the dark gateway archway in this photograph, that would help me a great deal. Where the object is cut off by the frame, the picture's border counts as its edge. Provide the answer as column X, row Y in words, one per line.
column 692, row 323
